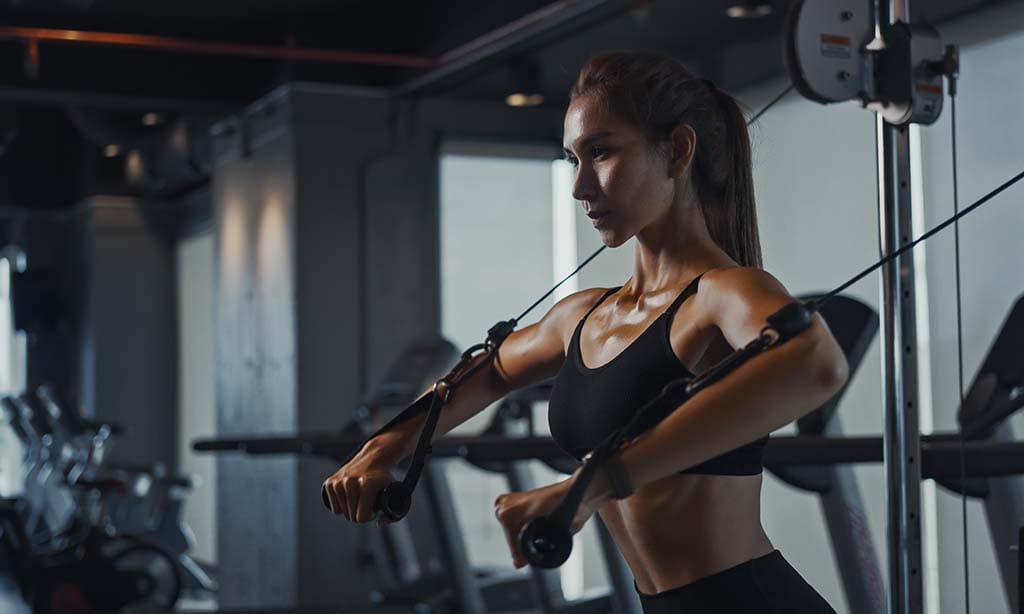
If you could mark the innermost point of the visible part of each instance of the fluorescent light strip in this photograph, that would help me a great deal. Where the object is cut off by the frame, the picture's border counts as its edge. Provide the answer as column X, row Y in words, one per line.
column 924, row 374
column 563, row 210
column 565, row 260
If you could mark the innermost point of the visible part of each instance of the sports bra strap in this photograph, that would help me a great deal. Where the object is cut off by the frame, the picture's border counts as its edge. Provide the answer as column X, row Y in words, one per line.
column 610, row 292
column 690, row 290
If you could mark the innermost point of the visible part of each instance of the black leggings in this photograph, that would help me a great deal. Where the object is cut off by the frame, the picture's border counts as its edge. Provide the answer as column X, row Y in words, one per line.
column 765, row 585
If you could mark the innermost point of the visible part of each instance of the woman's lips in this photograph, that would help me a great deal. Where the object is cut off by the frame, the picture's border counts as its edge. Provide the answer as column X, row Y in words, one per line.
column 599, row 218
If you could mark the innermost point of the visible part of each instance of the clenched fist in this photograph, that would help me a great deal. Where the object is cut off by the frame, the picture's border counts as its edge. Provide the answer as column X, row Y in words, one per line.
column 515, row 510
column 353, row 489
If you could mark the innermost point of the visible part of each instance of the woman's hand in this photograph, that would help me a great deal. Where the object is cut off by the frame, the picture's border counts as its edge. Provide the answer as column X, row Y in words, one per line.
column 353, row 489
column 514, row 510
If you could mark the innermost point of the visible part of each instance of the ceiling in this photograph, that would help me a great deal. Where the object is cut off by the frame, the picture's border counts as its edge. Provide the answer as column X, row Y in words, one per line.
column 186, row 60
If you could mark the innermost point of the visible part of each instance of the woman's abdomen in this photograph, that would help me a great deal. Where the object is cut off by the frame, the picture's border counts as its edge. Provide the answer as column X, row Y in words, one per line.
column 685, row 527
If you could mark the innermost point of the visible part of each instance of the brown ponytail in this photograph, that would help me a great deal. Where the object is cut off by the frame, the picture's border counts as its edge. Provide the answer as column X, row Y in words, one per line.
column 658, row 93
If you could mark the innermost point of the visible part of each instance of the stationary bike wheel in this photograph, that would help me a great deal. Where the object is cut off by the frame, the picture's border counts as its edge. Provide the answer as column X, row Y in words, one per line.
column 157, row 574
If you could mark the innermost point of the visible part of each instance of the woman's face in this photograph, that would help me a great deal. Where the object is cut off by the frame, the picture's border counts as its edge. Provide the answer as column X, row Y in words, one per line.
column 623, row 183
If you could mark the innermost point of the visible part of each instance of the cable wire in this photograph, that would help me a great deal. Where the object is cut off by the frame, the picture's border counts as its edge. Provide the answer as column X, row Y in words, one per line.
column 770, row 104
column 960, row 356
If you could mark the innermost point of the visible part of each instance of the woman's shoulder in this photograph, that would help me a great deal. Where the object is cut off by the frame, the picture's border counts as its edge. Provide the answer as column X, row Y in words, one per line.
column 575, row 305
column 731, row 280
column 737, row 300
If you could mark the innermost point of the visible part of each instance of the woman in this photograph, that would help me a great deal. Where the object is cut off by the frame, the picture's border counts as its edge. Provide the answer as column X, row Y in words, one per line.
column 663, row 157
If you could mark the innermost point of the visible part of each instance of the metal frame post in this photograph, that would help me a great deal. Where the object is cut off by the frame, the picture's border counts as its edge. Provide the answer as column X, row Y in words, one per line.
column 902, row 436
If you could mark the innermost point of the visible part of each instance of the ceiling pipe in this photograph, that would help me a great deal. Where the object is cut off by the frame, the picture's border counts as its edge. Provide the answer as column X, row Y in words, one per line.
column 445, row 66
column 534, row 19
column 519, row 32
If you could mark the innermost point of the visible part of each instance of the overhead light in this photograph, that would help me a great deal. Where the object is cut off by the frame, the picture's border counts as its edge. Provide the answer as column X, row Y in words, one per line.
column 524, row 76
column 151, row 119
column 133, row 169
column 749, row 10
column 520, row 99
column 111, row 151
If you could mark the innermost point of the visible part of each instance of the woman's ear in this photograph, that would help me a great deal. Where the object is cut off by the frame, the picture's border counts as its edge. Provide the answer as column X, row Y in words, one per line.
column 682, row 143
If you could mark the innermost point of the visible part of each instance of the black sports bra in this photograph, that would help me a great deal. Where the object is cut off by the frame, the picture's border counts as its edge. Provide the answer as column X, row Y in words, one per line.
column 589, row 404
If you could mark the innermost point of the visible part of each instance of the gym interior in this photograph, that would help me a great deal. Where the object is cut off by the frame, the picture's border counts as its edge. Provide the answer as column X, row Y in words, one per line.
column 237, row 238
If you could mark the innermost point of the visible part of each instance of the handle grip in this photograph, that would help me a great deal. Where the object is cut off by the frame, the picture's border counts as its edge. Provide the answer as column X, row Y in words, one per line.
column 545, row 544
column 393, row 501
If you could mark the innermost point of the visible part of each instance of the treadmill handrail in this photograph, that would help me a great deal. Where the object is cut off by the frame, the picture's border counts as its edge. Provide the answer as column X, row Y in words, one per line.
column 940, row 452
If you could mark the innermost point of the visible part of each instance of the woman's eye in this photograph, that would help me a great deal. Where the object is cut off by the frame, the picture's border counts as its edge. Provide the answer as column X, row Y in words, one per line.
column 572, row 160
column 598, row 152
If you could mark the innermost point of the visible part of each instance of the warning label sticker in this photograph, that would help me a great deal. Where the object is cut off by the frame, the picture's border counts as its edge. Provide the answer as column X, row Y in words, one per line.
column 834, row 46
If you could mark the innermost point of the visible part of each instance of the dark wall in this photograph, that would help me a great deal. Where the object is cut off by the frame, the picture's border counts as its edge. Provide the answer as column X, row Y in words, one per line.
column 53, row 246
column 129, row 335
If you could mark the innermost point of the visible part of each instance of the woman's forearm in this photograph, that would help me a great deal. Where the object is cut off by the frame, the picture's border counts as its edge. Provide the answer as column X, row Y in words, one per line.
column 474, row 395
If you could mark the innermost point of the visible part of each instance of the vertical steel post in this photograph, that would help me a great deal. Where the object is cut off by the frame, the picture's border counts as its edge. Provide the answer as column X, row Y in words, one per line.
column 899, row 358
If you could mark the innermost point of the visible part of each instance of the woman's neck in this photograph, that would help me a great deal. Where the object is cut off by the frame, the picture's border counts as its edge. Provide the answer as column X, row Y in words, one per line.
column 673, row 250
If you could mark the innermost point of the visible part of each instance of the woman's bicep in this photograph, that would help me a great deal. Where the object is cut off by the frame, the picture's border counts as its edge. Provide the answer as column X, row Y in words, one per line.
column 740, row 299
column 529, row 355
column 743, row 298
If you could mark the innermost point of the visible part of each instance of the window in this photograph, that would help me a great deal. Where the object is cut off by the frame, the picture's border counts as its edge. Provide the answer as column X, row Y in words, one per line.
column 12, row 375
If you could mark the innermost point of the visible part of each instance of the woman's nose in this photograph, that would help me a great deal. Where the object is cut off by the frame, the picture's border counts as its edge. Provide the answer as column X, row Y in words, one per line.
column 585, row 186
